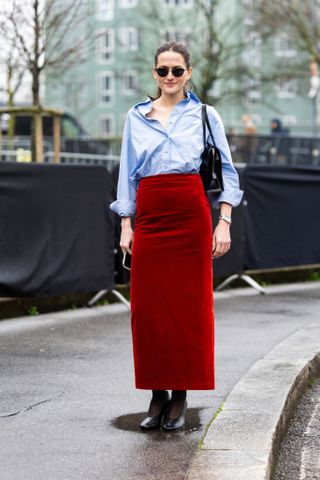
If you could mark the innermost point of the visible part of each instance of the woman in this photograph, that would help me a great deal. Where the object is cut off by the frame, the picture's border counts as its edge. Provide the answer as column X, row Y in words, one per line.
column 172, row 245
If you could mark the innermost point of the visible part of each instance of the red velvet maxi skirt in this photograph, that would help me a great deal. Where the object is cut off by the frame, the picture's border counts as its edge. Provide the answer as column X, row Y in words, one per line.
column 171, row 284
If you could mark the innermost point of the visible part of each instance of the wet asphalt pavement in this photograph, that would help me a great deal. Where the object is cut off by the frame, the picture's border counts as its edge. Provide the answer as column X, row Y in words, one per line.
column 69, row 408
column 299, row 455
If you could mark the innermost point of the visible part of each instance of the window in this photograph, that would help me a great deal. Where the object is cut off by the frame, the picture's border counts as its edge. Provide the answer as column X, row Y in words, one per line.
column 287, row 88
column 129, row 82
column 106, row 127
column 284, row 46
column 179, row 3
column 106, row 87
column 129, row 38
column 105, row 9
column 128, row 3
column 252, row 53
column 105, row 45
column 253, row 90
column 176, row 34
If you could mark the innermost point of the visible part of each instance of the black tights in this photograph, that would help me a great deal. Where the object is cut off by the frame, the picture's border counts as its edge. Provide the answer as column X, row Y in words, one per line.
column 176, row 405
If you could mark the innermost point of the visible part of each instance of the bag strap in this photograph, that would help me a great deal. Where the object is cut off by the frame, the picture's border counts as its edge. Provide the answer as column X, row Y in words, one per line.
column 205, row 121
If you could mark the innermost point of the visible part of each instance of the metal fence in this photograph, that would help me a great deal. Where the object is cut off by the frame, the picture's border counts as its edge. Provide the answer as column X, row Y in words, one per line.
column 245, row 149
column 76, row 152
column 276, row 150
column 108, row 161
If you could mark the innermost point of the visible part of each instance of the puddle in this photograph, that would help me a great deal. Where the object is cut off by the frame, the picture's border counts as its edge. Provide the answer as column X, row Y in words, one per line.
column 132, row 421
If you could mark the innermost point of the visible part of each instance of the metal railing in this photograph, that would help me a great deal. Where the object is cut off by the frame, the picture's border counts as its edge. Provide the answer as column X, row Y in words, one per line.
column 245, row 149
column 23, row 142
column 275, row 150
column 66, row 158
column 107, row 161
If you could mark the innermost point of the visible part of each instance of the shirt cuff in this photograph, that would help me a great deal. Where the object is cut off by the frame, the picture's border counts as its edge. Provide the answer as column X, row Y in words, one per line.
column 232, row 197
column 124, row 208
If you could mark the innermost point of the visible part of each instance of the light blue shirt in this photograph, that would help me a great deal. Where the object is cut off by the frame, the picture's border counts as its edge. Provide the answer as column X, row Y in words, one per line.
column 150, row 149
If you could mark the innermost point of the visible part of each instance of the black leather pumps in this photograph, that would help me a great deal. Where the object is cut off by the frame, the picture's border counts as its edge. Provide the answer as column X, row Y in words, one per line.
column 172, row 424
column 151, row 423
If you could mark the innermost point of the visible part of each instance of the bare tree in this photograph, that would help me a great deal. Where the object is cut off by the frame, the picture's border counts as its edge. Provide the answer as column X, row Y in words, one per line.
column 13, row 72
column 218, row 57
column 299, row 19
column 224, row 48
column 216, row 46
column 46, row 36
column 295, row 25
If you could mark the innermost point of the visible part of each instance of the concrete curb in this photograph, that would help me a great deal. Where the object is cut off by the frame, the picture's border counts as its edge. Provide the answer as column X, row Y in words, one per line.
column 243, row 440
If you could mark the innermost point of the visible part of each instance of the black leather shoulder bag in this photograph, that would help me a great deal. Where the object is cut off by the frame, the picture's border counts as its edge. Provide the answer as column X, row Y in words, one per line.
column 211, row 165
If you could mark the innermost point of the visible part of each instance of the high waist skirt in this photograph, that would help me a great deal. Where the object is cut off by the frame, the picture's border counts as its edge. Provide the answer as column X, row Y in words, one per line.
column 172, row 317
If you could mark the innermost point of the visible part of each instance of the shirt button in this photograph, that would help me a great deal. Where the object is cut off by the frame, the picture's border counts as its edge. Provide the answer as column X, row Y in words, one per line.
column 166, row 167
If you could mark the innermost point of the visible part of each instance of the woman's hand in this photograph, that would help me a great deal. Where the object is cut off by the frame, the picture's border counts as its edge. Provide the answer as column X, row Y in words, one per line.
column 221, row 240
column 126, row 238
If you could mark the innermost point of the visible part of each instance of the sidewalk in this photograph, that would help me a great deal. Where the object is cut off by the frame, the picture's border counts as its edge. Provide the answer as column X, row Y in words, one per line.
column 243, row 440
column 69, row 408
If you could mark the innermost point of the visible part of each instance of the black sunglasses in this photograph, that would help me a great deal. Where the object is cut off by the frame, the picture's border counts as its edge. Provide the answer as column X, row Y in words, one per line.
column 176, row 71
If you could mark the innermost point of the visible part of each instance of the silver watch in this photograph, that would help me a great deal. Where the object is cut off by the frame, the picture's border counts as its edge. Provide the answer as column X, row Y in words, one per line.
column 225, row 218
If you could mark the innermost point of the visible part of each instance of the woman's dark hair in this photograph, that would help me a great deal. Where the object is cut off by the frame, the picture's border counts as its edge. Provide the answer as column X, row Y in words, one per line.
column 178, row 47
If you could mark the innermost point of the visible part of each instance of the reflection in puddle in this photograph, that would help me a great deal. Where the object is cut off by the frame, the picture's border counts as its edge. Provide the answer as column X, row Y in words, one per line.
column 132, row 421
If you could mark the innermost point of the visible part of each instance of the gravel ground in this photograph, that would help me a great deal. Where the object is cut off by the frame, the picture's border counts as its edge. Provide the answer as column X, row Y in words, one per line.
column 299, row 455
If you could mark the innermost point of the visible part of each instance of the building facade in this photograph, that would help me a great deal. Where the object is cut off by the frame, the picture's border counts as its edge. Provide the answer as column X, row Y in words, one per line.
column 116, row 72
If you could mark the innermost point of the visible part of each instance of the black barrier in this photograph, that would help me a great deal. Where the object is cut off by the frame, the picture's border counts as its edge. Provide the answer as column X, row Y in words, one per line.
column 282, row 216
column 233, row 262
column 56, row 233
column 122, row 275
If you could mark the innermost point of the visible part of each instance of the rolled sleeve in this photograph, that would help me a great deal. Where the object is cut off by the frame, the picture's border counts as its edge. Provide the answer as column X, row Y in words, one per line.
column 231, row 193
column 125, row 204
column 124, row 208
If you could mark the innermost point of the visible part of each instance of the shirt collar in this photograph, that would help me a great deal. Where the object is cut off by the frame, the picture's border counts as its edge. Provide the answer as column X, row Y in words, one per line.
column 145, row 106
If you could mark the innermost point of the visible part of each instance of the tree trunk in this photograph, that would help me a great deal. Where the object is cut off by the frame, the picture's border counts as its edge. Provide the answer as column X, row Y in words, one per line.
column 10, row 95
column 37, row 136
column 37, row 139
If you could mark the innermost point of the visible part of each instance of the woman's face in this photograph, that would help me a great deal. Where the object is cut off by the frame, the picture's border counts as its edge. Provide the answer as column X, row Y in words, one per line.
column 171, row 84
